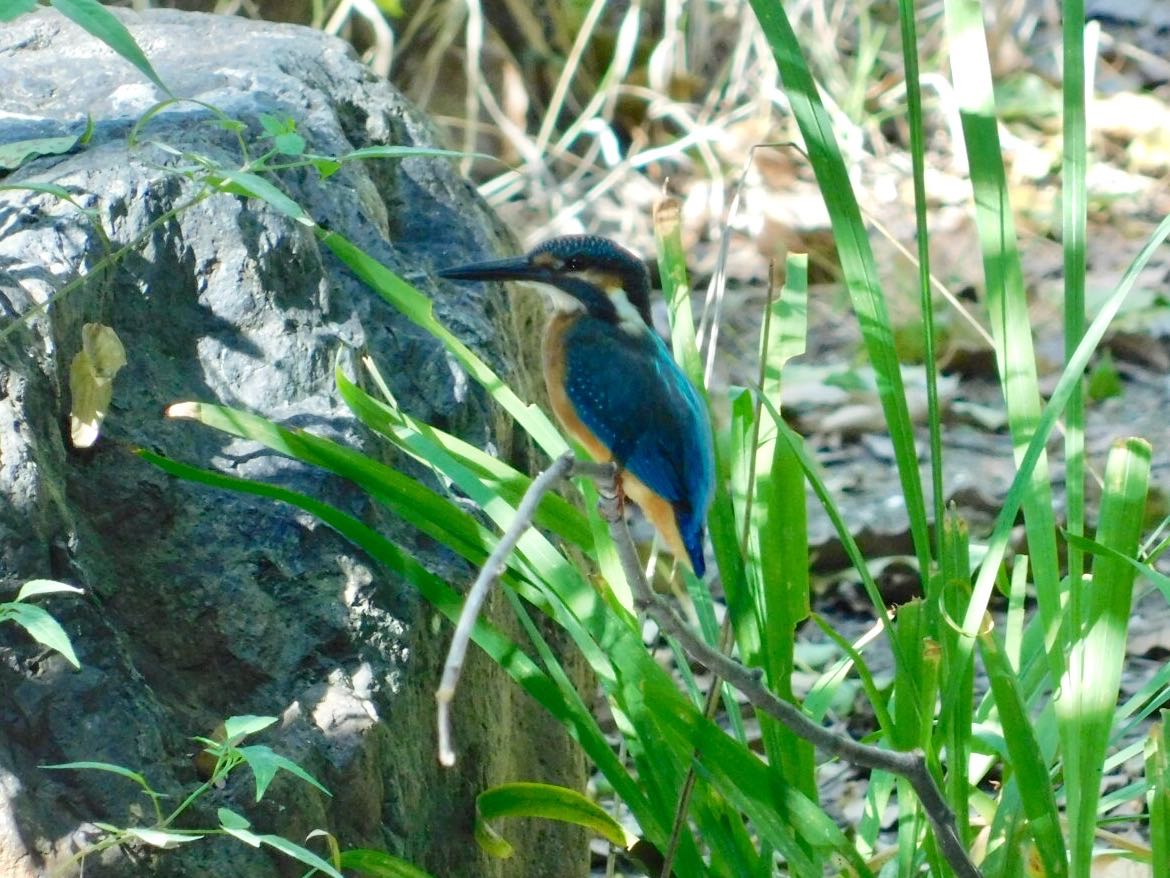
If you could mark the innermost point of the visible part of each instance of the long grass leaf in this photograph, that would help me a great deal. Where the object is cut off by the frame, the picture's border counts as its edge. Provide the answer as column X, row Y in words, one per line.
column 418, row 308
column 104, row 25
column 1032, row 783
column 1073, row 231
column 855, row 253
column 907, row 11
column 1069, row 381
column 1158, row 795
column 1088, row 693
column 1006, row 300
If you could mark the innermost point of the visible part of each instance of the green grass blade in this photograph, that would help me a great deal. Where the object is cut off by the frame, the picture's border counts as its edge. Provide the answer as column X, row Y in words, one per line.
column 817, row 702
column 103, row 24
column 555, row 513
column 418, row 308
column 907, row 12
column 1069, row 381
column 1032, row 782
column 414, row 503
column 1158, row 796
column 10, row 10
column 856, row 255
column 1088, row 694
column 378, row 864
column 948, row 603
column 1006, row 300
column 547, row 802
column 812, row 474
column 1073, row 232
column 102, row 766
column 753, row 789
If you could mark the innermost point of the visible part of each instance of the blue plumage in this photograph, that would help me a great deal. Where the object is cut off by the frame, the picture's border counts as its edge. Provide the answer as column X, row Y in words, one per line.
column 612, row 382
column 629, row 391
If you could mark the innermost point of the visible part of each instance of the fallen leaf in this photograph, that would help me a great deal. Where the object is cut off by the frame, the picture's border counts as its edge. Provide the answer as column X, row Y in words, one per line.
column 91, row 381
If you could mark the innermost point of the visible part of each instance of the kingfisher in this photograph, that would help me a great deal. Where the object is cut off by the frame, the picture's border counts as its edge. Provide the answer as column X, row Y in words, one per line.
column 613, row 384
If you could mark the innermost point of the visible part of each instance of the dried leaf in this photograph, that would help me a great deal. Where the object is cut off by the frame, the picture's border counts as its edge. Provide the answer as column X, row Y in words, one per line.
column 91, row 381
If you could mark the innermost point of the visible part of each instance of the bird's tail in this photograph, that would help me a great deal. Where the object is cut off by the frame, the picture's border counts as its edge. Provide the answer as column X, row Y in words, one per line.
column 692, row 531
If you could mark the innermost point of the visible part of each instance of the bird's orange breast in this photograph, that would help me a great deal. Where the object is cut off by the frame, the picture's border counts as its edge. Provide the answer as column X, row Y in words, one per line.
column 554, row 381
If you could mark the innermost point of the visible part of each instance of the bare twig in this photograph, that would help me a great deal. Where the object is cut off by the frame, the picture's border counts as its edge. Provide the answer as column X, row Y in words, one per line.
column 563, row 467
column 492, row 568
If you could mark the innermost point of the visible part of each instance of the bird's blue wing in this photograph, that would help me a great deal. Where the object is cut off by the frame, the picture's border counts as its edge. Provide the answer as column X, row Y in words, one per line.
column 630, row 393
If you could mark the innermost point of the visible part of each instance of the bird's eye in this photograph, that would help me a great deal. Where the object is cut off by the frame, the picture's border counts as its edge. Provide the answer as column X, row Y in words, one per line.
column 573, row 263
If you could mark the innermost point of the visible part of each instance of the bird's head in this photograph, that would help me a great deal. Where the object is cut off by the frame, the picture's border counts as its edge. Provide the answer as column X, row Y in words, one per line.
column 586, row 273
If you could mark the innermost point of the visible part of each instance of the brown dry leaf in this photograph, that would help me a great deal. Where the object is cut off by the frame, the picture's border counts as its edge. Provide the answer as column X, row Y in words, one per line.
column 91, row 381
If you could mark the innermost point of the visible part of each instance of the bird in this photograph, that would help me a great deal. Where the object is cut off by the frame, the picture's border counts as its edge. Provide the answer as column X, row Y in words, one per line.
column 613, row 384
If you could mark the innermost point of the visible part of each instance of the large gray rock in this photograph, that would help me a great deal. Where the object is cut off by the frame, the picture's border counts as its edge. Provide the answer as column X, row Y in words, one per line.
column 202, row 604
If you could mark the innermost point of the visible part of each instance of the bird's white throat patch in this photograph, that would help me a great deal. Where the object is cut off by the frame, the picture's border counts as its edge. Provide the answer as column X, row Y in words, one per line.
column 628, row 317
column 560, row 300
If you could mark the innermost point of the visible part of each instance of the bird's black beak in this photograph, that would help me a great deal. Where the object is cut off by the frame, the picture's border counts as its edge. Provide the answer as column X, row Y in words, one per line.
column 517, row 268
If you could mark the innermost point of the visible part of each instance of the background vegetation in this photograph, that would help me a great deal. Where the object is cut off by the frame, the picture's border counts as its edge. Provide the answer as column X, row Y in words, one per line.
column 942, row 177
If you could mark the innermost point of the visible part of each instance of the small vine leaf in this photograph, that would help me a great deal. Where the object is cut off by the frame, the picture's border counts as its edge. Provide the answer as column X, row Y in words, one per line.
column 160, row 838
column 13, row 155
column 45, row 586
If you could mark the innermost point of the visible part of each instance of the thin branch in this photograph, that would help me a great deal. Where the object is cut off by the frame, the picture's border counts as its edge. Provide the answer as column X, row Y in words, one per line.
column 563, row 467
column 488, row 575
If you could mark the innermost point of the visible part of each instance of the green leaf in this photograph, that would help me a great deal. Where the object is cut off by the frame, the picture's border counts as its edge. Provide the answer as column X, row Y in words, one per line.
column 326, row 167
column 415, row 503
column 1104, row 380
column 789, row 319
column 273, row 126
column 45, row 586
column 299, row 853
column 1158, row 795
column 13, row 9
column 377, row 864
column 544, row 801
column 254, row 186
column 230, row 820
column 393, row 8
column 87, row 134
column 1087, row 697
column 245, row 835
column 858, row 265
column 236, row 728
column 43, row 628
column 1030, row 773
column 44, row 188
column 15, row 154
column 101, row 766
column 103, row 24
column 160, row 838
column 290, row 143
column 265, row 763
column 407, row 152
